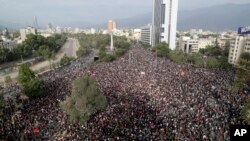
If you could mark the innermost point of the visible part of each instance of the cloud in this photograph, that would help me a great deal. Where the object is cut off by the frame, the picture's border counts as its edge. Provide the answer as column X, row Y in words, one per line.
column 96, row 11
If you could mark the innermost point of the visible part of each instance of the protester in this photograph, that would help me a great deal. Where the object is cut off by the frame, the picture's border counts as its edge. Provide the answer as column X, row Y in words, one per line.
column 149, row 98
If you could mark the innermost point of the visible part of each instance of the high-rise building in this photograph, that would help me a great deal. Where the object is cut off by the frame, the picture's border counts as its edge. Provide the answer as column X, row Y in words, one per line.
column 111, row 25
column 164, row 22
column 239, row 45
column 146, row 34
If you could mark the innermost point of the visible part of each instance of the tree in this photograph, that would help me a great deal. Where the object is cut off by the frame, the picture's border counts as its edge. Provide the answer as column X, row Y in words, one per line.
column 242, row 62
column 31, row 85
column 109, row 58
column 25, row 74
column 162, row 50
column 245, row 56
column 86, row 99
column 224, row 62
column 245, row 112
column 202, row 51
column 212, row 63
column 46, row 53
column 81, row 51
column 194, row 57
column 226, row 49
column 102, row 52
column 120, row 51
column 65, row 60
column 177, row 56
column 30, row 47
column 213, row 51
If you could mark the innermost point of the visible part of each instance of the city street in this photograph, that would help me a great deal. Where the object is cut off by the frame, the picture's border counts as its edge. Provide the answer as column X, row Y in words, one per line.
column 69, row 48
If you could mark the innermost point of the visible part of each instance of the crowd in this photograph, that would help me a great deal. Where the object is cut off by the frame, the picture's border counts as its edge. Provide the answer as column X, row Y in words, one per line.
column 149, row 98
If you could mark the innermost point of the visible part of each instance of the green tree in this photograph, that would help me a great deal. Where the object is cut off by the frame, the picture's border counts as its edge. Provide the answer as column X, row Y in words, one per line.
column 177, row 56
column 102, row 52
column 65, row 60
column 212, row 63
column 245, row 56
column 202, row 51
column 213, row 51
column 120, row 51
column 109, row 58
column 30, row 47
column 31, row 85
column 25, row 74
column 85, row 100
column 47, row 53
column 245, row 113
column 242, row 62
column 82, row 51
column 226, row 49
column 162, row 50
column 224, row 62
column 194, row 57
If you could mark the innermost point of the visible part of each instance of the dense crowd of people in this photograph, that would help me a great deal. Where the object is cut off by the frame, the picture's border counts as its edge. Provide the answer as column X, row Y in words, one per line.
column 149, row 98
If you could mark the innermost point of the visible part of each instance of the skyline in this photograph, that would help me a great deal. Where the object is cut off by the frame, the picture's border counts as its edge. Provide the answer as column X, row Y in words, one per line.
column 64, row 12
column 58, row 11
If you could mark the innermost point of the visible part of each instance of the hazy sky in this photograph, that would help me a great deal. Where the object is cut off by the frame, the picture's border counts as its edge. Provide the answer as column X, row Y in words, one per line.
column 93, row 11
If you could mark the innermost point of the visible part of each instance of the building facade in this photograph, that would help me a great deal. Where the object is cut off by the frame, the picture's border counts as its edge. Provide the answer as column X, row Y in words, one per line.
column 189, row 45
column 8, row 44
column 146, row 34
column 164, row 22
column 111, row 25
column 26, row 31
column 238, row 45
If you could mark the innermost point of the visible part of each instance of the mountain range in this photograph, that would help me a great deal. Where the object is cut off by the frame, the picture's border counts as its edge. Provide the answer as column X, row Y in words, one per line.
column 215, row 18
column 221, row 17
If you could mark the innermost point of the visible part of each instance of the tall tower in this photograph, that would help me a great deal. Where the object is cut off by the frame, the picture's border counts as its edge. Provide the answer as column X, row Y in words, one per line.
column 35, row 22
column 111, row 25
column 164, row 22
column 111, row 42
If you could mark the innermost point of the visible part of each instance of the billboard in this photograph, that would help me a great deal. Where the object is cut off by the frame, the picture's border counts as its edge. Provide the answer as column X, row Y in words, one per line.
column 244, row 30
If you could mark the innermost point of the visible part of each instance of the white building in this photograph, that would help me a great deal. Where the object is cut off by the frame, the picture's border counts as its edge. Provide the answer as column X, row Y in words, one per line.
column 146, row 34
column 238, row 45
column 165, row 22
column 203, row 43
column 8, row 44
column 136, row 34
column 93, row 31
column 189, row 45
column 58, row 30
column 26, row 31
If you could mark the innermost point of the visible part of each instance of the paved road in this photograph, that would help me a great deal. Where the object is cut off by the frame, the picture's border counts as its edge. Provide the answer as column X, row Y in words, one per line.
column 69, row 48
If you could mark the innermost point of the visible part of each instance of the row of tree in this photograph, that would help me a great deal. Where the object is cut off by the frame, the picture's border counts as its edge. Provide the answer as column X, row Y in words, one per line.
column 100, row 41
column 121, row 44
column 34, row 46
column 210, row 57
column 90, row 41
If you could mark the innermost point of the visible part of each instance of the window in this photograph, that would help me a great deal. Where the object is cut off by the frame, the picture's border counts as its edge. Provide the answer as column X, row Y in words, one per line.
column 163, row 8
